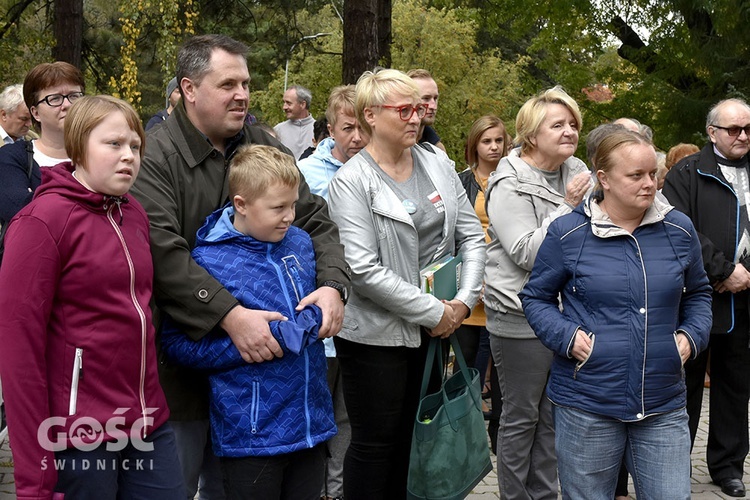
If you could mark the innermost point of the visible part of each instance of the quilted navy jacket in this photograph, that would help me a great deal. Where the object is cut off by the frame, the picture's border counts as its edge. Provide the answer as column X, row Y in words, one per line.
column 274, row 407
column 631, row 293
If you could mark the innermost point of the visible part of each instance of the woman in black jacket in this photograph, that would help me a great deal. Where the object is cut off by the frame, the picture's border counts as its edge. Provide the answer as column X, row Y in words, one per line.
column 49, row 90
column 488, row 141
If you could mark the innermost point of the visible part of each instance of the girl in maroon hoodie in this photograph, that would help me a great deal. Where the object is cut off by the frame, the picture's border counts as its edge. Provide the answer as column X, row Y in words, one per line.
column 86, row 414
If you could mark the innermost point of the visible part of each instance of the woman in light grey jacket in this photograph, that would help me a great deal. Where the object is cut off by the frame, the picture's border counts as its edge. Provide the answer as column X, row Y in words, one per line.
column 399, row 207
column 532, row 186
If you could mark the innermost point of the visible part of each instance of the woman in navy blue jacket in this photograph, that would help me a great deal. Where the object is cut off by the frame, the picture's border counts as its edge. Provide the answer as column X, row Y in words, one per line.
column 49, row 91
column 636, row 305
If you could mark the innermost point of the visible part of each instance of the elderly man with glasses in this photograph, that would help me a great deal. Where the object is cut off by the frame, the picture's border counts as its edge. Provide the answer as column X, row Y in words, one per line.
column 713, row 189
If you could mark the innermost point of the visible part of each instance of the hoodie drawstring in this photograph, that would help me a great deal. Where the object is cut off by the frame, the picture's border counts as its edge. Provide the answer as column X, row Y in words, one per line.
column 117, row 200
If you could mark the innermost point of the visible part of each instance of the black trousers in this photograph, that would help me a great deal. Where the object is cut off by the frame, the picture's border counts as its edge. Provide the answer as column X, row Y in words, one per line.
column 292, row 476
column 381, row 391
column 727, row 444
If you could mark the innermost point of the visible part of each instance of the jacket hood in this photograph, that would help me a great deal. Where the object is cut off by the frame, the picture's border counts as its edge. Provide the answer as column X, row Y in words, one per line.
column 324, row 153
column 219, row 229
column 60, row 180
column 601, row 224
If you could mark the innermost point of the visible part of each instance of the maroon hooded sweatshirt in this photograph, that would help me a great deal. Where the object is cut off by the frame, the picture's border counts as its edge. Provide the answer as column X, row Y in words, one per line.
column 76, row 337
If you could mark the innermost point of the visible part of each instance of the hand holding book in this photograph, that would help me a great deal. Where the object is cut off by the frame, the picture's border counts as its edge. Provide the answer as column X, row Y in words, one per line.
column 442, row 278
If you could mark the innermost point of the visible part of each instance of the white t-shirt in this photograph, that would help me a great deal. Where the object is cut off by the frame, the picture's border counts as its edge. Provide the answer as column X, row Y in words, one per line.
column 46, row 161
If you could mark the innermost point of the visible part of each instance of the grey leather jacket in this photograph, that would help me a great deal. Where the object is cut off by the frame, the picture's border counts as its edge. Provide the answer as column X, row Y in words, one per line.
column 381, row 244
column 521, row 205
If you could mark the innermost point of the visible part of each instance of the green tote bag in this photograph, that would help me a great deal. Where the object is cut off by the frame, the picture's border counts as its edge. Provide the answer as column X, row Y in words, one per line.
column 449, row 450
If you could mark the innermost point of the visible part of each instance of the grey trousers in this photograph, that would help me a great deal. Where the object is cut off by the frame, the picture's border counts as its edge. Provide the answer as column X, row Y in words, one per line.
column 526, row 461
column 338, row 444
column 200, row 467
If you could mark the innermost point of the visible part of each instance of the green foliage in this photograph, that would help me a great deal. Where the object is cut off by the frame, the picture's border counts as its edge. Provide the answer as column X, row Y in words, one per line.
column 487, row 56
column 169, row 21
column 472, row 82
column 315, row 64
column 26, row 42
column 665, row 62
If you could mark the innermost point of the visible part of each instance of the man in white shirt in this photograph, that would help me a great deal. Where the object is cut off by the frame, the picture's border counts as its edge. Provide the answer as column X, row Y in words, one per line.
column 296, row 132
column 15, row 119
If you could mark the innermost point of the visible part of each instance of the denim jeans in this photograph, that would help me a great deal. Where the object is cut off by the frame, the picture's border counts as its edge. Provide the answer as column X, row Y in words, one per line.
column 590, row 449
column 100, row 474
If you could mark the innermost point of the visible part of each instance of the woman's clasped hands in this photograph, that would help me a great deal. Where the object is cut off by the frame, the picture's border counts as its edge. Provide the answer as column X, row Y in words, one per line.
column 454, row 312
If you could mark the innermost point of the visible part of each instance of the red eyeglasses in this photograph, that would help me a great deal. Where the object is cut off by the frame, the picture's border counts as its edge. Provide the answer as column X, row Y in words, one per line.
column 406, row 111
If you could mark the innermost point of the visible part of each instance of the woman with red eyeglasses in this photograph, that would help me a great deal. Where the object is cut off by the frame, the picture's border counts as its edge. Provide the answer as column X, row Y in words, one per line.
column 399, row 207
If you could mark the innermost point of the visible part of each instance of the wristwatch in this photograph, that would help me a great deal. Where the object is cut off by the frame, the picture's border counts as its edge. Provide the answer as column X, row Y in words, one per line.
column 343, row 291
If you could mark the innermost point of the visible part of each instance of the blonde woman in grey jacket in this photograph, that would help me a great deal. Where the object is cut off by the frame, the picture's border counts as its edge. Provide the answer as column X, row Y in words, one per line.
column 535, row 184
column 399, row 207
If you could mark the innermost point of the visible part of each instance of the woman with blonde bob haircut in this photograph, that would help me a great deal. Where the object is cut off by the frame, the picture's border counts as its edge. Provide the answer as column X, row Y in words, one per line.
column 636, row 305
column 535, row 184
column 399, row 207
column 374, row 89
column 75, row 292
column 533, row 113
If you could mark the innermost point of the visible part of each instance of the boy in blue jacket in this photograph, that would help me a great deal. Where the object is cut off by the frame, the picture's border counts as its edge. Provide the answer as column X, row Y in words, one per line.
column 268, row 420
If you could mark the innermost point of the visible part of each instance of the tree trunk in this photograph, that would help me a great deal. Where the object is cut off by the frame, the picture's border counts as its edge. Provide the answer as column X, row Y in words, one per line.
column 68, row 31
column 633, row 49
column 385, row 36
column 361, row 42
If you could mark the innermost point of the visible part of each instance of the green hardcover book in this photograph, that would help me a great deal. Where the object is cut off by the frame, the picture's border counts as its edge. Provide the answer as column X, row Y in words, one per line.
column 443, row 277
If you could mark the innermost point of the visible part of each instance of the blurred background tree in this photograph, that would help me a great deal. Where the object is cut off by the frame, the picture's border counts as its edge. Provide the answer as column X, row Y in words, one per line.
column 663, row 62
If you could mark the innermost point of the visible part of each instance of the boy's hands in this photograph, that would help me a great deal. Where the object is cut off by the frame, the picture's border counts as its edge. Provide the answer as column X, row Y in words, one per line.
column 249, row 331
column 329, row 301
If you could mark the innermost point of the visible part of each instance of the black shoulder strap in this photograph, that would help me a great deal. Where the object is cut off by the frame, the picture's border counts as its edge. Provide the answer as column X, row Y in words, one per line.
column 30, row 155
column 426, row 146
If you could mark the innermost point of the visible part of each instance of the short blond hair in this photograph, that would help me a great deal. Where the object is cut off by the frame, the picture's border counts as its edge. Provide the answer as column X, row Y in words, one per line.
column 341, row 99
column 254, row 168
column 534, row 111
column 374, row 89
column 88, row 112
column 419, row 73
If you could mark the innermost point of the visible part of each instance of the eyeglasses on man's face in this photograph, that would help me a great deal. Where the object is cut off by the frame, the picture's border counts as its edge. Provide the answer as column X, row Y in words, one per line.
column 734, row 131
column 56, row 100
column 406, row 111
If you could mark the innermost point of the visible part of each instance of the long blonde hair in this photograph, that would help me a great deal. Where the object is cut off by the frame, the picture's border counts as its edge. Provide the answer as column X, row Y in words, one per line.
column 479, row 127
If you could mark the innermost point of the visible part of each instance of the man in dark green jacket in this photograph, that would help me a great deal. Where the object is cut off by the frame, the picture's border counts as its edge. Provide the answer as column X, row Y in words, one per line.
column 182, row 180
